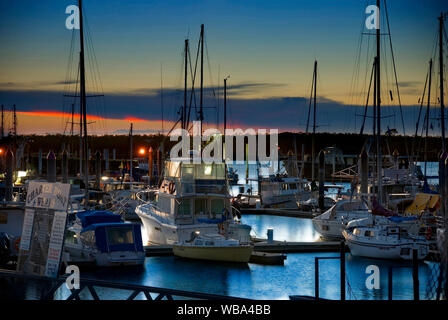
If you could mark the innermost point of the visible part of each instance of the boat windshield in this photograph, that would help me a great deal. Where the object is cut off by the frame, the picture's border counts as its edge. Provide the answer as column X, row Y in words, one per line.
column 120, row 235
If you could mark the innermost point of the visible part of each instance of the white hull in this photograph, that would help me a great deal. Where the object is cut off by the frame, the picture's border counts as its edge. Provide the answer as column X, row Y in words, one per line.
column 329, row 230
column 163, row 233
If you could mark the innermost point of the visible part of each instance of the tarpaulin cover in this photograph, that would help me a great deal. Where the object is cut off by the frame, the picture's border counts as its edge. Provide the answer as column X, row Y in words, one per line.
column 379, row 210
column 104, row 244
column 97, row 216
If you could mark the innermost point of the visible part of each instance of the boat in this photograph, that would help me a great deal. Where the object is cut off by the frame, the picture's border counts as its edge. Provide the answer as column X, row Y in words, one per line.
column 332, row 222
column 214, row 247
column 192, row 197
column 283, row 192
column 385, row 241
column 102, row 238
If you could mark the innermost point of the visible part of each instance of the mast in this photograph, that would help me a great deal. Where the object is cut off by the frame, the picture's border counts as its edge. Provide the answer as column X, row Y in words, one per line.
column 184, row 112
column 83, row 101
column 201, row 111
column 3, row 122
column 442, row 102
column 313, row 147
column 378, row 105
column 80, row 142
column 131, row 157
column 225, row 103
column 427, row 114
column 14, row 121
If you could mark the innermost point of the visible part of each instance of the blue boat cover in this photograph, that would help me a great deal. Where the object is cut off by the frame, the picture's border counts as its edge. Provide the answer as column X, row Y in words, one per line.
column 104, row 230
column 97, row 216
column 204, row 220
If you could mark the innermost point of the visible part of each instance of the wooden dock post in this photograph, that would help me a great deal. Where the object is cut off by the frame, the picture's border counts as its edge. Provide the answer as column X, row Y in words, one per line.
column 342, row 270
column 40, row 162
column 51, row 167
column 415, row 274
column 97, row 169
column 64, row 166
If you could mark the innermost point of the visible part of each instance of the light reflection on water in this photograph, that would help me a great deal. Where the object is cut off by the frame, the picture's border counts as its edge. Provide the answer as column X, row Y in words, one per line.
column 254, row 281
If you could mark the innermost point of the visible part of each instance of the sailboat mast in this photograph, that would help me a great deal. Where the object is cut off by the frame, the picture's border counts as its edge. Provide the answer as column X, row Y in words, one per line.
column 3, row 122
column 184, row 113
column 378, row 105
column 131, row 156
column 313, row 146
column 225, row 104
column 83, row 101
column 427, row 114
column 201, row 111
column 442, row 102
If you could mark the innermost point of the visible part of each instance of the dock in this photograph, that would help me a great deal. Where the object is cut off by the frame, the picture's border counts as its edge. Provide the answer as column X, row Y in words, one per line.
column 279, row 212
column 263, row 246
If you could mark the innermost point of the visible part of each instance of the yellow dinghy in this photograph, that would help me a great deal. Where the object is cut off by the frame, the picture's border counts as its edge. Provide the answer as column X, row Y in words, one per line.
column 213, row 247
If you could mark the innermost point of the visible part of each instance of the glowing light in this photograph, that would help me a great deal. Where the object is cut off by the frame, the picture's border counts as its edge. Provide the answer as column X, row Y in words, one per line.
column 208, row 170
column 142, row 151
column 21, row 174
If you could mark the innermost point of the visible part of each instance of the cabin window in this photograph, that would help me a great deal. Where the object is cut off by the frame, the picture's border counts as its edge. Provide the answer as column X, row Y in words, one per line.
column 405, row 251
column 284, row 186
column 200, row 206
column 217, row 206
column 325, row 228
column 369, row 233
column 187, row 172
column 357, row 232
column 120, row 236
column 184, row 207
column 293, row 186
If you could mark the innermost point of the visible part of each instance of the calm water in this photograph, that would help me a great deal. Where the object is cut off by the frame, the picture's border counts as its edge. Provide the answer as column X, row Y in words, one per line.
column 296, row 277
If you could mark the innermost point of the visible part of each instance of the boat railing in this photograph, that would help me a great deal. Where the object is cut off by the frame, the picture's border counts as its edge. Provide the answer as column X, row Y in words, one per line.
column 155, row 212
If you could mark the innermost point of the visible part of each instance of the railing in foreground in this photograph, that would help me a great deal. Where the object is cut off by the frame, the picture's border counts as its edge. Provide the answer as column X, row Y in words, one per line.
column 50, row 286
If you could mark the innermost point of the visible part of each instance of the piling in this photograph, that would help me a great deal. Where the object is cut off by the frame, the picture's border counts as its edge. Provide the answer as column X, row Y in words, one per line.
column 270, row 235
column 9, row 174
column 106, row 159
column 321, row 180
column 114, row 154
column 40, row 162
column 64, row 166
column 51, row 167
column 342, row 270
column 415, row 274
column 97, row 169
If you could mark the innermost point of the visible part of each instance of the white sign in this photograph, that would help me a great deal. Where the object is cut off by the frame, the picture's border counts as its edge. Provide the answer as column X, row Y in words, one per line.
column 46, row 195
column 27, row 229
column 56, row 242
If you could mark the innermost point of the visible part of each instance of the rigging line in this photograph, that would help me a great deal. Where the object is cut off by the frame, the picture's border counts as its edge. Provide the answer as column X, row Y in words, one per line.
column 419, row 114
column 396, row 78
column 309, row 107
column 367, row 102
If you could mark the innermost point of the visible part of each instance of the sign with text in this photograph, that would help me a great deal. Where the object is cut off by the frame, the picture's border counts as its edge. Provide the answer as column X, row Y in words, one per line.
column 43, row 229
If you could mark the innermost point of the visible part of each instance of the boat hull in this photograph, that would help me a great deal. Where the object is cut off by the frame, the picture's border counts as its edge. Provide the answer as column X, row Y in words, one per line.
column 228, row 254
column 164, row 233
column 398, row 251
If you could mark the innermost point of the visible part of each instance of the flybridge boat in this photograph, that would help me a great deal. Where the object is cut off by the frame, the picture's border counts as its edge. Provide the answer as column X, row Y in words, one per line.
column 102, row 238
column 384, row 241
column 191, row 198
column 283, row 192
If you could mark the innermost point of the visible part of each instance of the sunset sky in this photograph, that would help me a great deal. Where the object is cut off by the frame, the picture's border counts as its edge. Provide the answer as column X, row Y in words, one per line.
column 267, row 47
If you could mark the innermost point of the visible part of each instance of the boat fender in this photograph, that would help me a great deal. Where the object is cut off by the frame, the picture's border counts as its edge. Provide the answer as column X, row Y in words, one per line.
column 171, row 187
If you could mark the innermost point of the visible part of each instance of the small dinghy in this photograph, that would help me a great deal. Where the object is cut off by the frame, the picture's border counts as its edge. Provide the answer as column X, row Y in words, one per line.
column 213, row 247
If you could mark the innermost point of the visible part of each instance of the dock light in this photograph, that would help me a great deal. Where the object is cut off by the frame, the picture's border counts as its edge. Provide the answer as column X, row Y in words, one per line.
column 1, row 151
column 141, row 151
column 21, row 174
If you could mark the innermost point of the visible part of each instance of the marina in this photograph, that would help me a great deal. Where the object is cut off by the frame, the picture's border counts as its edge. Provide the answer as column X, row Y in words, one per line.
column 185, row 200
